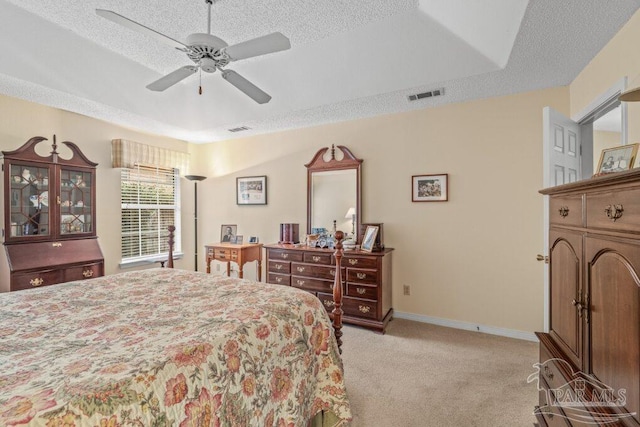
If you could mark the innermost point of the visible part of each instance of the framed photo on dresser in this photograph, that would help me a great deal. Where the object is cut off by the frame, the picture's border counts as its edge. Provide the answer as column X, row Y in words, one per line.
column 369, row 238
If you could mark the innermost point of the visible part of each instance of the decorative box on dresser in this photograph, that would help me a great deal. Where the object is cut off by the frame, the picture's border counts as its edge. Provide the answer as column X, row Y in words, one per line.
column 594, row 308
column 366, row 278
column 49, row 217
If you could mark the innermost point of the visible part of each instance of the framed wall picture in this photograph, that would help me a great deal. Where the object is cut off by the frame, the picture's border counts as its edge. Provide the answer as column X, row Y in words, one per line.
column 228, row 233
column 617, row 159
column 369, row 238
column 251, row 190
column 430, row 188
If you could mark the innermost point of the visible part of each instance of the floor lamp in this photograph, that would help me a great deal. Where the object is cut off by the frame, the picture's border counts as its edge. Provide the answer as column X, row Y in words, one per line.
column 195, row 179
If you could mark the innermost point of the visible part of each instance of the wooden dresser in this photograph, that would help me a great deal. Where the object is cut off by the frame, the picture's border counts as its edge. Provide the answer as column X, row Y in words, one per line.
column 366, row 279
column 591, row 355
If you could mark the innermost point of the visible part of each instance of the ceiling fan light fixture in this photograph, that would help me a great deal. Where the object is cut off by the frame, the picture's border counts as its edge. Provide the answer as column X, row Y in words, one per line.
column 208, row 65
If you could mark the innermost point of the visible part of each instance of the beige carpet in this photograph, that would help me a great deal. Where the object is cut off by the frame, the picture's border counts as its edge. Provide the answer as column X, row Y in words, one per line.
column 421, row 375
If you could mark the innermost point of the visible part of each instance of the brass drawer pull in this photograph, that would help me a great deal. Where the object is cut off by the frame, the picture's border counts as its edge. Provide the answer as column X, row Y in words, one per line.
column 564, row 211
column 361, row 291
column 361, row 275
column 353, row 261
column 300, row 269
column 285, row 256
column 279, row 266
column 332, row 272
column 364, row 308
column 300, row 282
column 316, row 258
column 87, row 273
column 279, row 279
column 329, row 303
column 614, row 212
column 38, row 281
column 56, row 244
column 548, row 373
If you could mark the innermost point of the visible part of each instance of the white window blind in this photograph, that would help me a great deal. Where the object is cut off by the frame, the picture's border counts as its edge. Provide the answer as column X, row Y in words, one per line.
column 149, row 205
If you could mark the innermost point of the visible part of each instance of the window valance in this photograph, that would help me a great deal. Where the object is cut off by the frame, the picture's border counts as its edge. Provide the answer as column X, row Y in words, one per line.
column 127, row 154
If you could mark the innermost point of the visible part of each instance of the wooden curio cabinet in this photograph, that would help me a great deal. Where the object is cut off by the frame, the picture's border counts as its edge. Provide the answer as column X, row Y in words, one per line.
column 50, row 216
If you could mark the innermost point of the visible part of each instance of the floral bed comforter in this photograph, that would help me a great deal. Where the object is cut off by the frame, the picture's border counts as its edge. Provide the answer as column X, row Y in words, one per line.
column 166, row 347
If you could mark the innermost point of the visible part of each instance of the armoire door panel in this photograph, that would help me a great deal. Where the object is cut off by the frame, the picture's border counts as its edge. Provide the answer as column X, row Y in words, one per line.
column 565, row 291
column 614, row 318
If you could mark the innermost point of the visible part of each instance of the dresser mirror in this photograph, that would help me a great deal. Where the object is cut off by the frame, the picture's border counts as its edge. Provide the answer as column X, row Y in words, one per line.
column 333, row 191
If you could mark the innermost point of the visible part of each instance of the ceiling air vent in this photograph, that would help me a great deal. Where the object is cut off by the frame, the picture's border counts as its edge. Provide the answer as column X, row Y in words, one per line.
column 239, row 129
column 423, row 95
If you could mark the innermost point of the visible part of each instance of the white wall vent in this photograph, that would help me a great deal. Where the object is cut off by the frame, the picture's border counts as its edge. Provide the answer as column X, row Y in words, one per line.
column 429, row 94
column 239, row 129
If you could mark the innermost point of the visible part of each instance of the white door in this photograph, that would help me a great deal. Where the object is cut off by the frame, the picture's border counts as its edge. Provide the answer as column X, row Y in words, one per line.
column 561, row 165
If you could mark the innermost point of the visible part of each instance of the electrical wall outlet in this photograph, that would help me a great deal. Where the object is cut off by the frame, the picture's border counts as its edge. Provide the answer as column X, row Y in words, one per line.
column 407, row 289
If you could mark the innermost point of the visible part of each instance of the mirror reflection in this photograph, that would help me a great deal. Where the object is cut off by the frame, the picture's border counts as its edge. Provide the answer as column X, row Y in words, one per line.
column 334, row 198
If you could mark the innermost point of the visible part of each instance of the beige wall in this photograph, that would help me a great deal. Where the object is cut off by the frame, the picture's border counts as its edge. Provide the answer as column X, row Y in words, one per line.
column 21, row 120
column 619, row 58
column 471, row 259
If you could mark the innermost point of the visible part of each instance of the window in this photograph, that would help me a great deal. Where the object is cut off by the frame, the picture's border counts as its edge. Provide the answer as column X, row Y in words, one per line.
column 149, row 205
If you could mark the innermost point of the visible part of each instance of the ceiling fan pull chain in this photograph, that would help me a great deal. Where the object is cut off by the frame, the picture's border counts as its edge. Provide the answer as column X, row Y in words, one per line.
column 200, row 89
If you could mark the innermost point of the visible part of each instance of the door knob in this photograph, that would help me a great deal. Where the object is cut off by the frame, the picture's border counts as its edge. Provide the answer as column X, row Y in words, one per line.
column 541, row 257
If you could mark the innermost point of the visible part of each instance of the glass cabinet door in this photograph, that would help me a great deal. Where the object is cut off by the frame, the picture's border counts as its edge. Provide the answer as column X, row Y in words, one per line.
column 29, row 188
column 76, row 204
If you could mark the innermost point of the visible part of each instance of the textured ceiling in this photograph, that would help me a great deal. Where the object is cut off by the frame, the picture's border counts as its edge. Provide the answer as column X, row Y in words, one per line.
column 349, row 59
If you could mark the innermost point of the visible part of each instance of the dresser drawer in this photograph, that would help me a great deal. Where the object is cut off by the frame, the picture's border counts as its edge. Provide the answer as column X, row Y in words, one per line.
column 35, row 279
column 549, row 369
column 360, row 261
column 315, row 271
column 279, row 254
column 282, row 267
column 312, row 285
column 318, row 258
column 226, row 254
column 355, row 275
column 617, row 210
column 362, row 291
column 360, row 308
column 566, row 210
column 278, row 279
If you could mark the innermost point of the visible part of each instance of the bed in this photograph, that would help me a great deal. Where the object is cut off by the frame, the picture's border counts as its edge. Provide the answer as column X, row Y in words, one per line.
column 166, row 347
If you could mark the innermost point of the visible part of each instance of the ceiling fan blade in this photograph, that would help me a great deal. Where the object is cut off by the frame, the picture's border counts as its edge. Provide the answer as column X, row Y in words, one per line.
column 251, row 90
column 172, row 78
column 133, row 25
column 270, row 43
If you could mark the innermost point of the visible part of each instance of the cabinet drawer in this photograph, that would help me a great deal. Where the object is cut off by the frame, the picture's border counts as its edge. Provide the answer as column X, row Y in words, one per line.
column 222, row 254
column 360, row 308
column 317, row 258
column 82, row 272
column 35, row 279
column 351, row 306
column 355, row 275
column 282, row 267
column 314, row 271
column 617, row 210
column 566, row 210
column 360, row 261
column 362, row 291
column 312, row 285
column 285, row 255
column 549, row 369
column 279, row 279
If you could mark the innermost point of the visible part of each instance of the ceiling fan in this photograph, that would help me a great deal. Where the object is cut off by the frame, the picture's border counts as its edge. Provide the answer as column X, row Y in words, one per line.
column 209, row 53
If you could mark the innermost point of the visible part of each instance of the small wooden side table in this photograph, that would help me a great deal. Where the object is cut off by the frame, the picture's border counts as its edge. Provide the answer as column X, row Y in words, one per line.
column 240, row 254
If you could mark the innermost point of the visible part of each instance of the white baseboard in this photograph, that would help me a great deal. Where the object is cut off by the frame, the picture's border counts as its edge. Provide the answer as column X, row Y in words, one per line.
column 510, row 333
